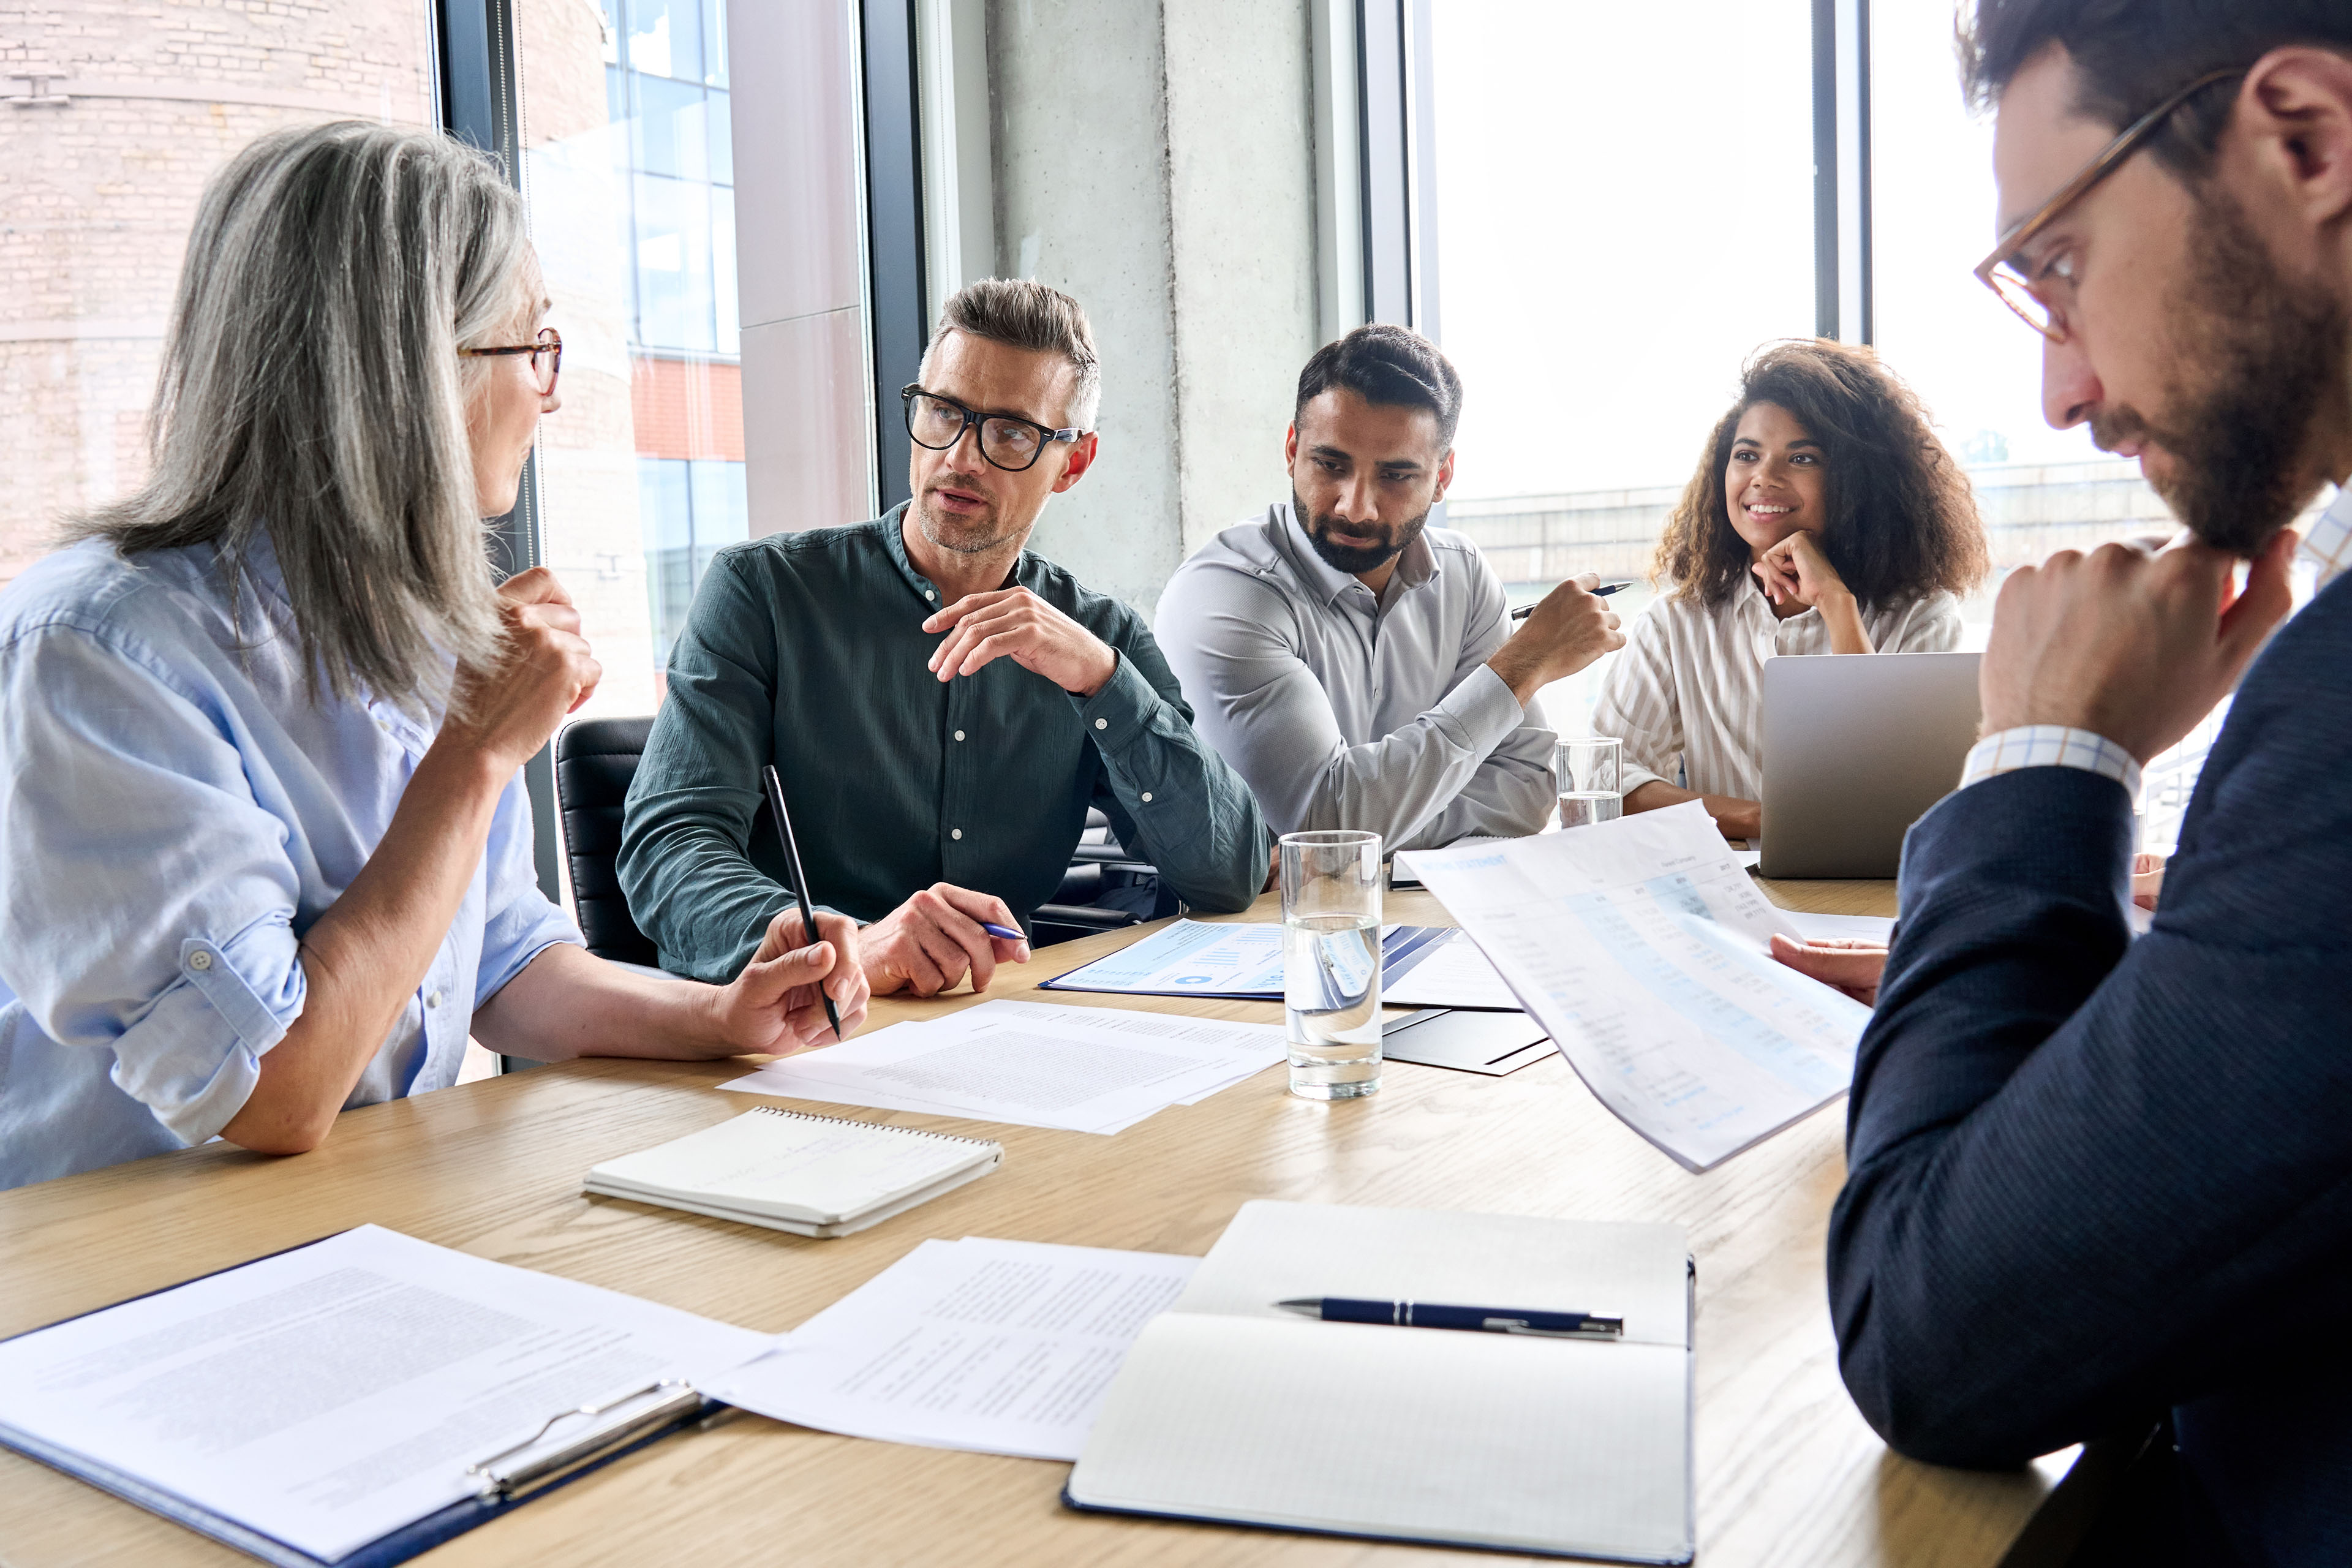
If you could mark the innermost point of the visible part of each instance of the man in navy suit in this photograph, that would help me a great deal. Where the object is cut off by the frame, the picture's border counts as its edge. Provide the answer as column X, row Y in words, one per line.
column 2098, row 1184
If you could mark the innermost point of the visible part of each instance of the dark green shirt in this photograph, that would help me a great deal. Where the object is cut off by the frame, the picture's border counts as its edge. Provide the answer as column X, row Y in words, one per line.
column 807, row 650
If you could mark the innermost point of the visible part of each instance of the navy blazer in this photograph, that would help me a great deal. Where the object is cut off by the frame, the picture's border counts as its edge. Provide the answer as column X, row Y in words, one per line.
column 2092, row 1179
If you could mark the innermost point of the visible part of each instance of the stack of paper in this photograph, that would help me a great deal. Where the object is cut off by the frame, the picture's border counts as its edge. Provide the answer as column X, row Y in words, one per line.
column 1227, row 961
column 1003, row 1347
column 1084, row 1069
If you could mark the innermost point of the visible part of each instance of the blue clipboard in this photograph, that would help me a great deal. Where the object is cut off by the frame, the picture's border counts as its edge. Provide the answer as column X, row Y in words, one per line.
column 597, row 1448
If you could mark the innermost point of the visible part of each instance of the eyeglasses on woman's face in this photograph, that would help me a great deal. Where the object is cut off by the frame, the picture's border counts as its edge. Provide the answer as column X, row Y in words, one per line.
column 1007, row 441
column 546, row 357
column 2040, row 291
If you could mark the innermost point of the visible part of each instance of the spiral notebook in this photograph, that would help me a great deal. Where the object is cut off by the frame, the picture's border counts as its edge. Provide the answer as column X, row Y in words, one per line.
column 811, row 1176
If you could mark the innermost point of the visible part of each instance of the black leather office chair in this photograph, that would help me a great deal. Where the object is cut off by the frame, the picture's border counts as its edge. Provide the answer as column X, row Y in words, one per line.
column 1104, row 889
column 594, row 760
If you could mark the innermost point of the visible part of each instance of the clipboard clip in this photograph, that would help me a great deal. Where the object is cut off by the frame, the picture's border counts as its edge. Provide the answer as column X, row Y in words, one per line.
column 673, row 1399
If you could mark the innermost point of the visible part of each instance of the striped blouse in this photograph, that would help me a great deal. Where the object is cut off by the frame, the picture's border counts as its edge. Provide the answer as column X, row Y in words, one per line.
column 1687, row 693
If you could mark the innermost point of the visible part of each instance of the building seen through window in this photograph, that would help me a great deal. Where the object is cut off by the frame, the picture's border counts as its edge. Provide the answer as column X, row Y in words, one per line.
column 629, row 170
column 114, row 117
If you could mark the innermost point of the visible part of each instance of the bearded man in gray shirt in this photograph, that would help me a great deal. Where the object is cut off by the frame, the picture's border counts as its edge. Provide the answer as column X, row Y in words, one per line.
column 1357, row 667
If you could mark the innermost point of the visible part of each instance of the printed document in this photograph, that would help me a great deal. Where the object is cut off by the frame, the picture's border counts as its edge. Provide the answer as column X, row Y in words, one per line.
column 1454, row 974
column 1226, row 961
column 1002, row 1347
column 1085, row 1070
column 329, row 1396
column 1644, row 951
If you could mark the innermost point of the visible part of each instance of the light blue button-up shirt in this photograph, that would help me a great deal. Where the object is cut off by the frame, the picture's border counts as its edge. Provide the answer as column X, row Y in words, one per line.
column 175, row 812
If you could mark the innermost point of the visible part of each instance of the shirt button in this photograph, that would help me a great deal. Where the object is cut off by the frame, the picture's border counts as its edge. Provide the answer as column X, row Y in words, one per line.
column 433, row 999
column 958, row 734
column 1102, row 723
column 200, row 959
column 955, row 833
column 929, row 594
column 1147, row 797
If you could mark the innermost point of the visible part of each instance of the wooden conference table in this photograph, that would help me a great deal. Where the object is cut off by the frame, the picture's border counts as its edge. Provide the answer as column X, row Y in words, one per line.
column 1788, row 1473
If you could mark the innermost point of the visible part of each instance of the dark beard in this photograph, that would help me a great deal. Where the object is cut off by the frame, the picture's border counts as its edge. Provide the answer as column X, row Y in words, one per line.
column 1353, row 560
column 2258, row 358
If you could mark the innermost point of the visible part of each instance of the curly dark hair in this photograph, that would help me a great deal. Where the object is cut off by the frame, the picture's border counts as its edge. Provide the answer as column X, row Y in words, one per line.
column 1902, row 517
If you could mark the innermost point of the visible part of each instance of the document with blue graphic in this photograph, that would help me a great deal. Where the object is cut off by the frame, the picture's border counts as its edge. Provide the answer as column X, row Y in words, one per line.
column 1645, row 951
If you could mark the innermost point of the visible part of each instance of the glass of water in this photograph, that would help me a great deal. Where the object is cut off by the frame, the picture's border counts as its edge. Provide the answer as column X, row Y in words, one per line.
column 1331, row 963
column 1588, row 774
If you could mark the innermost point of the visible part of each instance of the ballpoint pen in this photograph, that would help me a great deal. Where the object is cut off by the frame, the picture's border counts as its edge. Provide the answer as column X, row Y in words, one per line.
column 1602, row 591
column 1008, row 932
column 799, row 880
column 1477, row 1320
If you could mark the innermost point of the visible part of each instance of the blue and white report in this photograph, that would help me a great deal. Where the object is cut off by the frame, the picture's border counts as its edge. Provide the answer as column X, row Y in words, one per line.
column 1645, row 949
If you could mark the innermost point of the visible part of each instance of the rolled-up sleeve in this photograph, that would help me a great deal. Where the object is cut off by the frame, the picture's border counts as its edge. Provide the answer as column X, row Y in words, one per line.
column 123, row 925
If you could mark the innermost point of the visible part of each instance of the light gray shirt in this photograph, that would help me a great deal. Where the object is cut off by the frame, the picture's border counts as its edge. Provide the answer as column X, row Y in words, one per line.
column 1344, row 710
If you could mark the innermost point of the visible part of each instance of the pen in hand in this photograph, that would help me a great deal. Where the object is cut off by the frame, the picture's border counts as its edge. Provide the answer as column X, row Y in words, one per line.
column 1477, row 1320
column 1007, row 933
column 800, row 883
column 1602, row 591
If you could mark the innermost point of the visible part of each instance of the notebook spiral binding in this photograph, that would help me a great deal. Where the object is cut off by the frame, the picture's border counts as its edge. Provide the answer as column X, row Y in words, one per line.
column 876, row 1126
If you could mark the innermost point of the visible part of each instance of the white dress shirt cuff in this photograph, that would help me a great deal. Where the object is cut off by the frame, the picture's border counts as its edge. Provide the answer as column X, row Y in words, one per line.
column 1484, row 706
column 2050, row 746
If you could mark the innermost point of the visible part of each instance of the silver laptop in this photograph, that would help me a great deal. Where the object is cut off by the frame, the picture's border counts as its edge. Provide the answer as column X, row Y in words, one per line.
column 1856, row 749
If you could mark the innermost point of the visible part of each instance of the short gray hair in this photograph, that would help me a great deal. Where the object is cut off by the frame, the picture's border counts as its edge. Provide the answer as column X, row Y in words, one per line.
column 1023, row 314
column 311, row 388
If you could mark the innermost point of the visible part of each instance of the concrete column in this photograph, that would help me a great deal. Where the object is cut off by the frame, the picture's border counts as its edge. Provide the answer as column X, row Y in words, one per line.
column 1155, row 159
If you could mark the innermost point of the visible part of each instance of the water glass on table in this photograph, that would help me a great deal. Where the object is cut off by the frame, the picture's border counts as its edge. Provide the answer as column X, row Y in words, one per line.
column 1331, row 963
column 1590, row 775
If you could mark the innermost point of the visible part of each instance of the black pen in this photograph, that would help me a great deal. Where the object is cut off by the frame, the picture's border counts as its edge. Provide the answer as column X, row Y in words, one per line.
column 800, row 884
column 1477, row 1320
column 1602, row 591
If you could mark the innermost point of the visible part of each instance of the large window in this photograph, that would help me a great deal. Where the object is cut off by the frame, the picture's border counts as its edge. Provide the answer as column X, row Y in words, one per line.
column 1613, row 243
column 629, row 169
column 116, row 114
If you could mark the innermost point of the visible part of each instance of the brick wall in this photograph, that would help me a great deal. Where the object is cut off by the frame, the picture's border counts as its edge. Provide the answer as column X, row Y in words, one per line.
column 97, row 193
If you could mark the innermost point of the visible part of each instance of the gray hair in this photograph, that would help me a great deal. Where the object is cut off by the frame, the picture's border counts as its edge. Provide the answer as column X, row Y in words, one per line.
column 311, row 388
column 1020, row 314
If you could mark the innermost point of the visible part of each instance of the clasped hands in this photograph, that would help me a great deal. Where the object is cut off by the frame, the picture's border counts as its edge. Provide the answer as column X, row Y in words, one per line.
column 1015, row 623
column 2127, row 643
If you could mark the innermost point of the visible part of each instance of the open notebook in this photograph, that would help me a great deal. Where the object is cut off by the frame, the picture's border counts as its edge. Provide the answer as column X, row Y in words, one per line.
column 1231, row 1410
column 812, row 1176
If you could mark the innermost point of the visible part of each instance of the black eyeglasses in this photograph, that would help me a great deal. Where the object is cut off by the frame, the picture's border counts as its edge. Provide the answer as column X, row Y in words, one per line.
column 1007, row 441
column 546, row 357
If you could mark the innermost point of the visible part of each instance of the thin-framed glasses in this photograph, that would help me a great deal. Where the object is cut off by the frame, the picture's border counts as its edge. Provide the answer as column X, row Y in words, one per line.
column 1007, row 441
column 546, row 357
column 2001, row 271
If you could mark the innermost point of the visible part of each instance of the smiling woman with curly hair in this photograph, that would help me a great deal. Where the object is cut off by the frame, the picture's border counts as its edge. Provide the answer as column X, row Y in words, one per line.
column 1825, row 517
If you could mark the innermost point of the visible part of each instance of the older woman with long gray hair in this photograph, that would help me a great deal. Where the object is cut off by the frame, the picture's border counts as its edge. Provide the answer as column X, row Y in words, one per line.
column 264, row 851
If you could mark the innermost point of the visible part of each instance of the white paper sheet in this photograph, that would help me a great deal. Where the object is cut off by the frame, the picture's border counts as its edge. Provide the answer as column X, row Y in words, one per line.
column 1454, row 974
column 1085, row 1070
column 331, row 1394
column 1003, row 1347
column 1644, row 950
column 1841, row 928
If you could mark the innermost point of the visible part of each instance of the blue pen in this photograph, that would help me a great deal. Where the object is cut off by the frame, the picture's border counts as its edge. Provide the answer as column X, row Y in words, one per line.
column 1477, row 1320
column 1007, row 933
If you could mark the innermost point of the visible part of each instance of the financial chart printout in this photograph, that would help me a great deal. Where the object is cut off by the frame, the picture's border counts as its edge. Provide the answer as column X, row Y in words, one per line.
column 1645, row 949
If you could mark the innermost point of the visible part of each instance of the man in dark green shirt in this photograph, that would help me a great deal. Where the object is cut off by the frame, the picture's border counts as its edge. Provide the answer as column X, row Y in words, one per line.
column 942, row 705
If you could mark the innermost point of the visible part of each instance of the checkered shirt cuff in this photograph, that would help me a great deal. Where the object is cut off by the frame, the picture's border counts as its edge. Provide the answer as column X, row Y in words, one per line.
column 2329, row 542
column 2050, row 746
